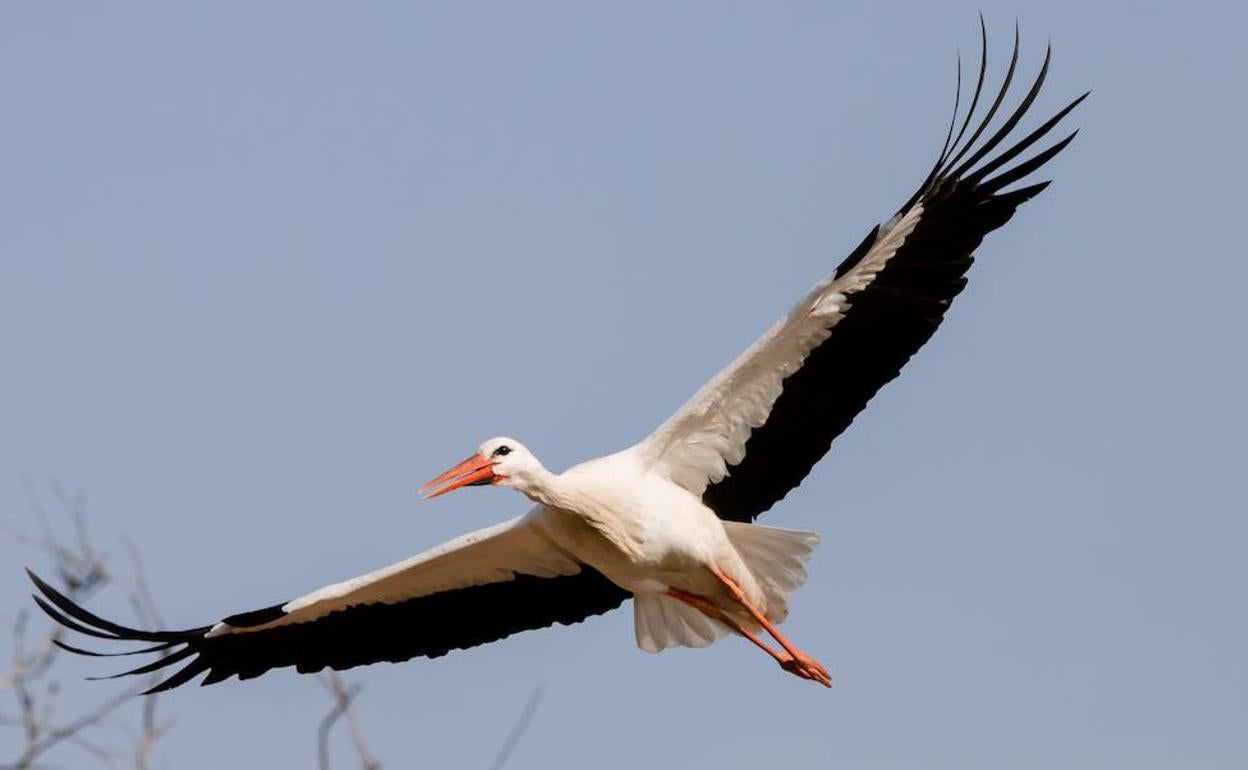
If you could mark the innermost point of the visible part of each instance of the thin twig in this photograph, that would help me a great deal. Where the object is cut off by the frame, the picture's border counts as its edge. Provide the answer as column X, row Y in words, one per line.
column 105, row 756
column 343, row 696
column 69, row 730
column 81, row 568
column 518, row 729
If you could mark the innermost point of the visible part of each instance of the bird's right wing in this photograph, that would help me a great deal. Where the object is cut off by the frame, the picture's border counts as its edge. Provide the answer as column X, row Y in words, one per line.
column 472, row 590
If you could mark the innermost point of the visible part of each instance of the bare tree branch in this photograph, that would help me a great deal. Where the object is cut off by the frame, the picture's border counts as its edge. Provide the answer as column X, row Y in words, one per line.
column 82, row 569
column 344, row 706
column 518, row 729
column 46, row 738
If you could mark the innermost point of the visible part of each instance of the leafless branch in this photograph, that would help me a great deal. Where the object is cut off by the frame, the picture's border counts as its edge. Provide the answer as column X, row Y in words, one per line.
column 344, row 706
column 81, row 569
column 518, row 729
column 45, row 738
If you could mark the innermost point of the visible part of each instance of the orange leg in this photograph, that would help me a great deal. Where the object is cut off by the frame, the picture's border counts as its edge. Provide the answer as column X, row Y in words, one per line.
column 799, row 662
column 708, row 608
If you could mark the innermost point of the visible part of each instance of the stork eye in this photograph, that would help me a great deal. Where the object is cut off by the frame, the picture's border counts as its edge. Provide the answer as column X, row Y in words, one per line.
column 502, row 451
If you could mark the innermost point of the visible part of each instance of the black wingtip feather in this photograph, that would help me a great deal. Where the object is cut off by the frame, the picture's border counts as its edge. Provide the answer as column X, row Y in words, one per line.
column 73, row 610
column 184, row 675
column 1016, row 198
column 156, row 665
column 979, row 83
column 70, row 624
column 97, row 626
column 1026, row 168
column 1011, row 121
column 1026, row 142
column 957, row 103
column 992, row 111
column 893, row 314
column 69, row 614
column 94, row 654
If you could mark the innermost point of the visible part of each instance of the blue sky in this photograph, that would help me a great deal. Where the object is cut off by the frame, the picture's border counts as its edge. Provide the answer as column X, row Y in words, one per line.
column 268, row 267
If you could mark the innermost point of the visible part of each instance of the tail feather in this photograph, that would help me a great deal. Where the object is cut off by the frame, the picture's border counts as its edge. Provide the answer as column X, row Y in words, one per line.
column 777, row 560
column 661, row 621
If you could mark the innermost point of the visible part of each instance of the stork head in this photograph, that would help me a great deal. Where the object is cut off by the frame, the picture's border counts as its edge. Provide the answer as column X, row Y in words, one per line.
column 502, row 461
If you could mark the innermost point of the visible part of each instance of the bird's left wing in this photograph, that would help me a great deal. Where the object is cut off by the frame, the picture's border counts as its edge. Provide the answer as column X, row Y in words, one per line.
column 472, row 590
column 754, row 431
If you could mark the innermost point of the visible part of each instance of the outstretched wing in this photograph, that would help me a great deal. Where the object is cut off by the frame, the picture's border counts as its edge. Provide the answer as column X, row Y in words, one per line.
column 472, row 590
column 754, row 431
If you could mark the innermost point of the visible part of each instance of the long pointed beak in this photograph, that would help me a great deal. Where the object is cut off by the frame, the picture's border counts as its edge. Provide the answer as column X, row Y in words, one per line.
column 474, row 471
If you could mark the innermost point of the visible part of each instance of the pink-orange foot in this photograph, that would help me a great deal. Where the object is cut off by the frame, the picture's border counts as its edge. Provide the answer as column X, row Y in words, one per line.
column 806, row 667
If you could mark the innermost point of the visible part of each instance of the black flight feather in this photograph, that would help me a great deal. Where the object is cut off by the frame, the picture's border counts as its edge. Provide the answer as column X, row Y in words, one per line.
column 898, row 310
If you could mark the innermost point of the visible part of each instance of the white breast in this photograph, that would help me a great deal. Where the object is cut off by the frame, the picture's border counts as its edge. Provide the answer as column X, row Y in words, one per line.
column 637, row 528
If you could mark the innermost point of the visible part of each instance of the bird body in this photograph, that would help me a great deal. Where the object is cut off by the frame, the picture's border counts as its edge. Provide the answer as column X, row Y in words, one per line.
column 646, row 534
column 641, row 530
column 668, row 522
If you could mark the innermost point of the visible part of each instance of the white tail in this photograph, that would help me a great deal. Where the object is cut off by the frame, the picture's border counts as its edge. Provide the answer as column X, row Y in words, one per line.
column 775, row 557
column 661, row 621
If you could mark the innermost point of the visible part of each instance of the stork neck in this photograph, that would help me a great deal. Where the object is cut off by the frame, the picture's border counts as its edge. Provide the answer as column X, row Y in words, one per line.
column 539, row 485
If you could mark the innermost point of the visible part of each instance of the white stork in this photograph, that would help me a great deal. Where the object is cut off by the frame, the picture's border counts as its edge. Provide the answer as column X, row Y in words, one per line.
column 667, row 522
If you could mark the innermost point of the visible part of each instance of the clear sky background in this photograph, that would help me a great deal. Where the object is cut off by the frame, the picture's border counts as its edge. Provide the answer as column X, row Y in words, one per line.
column 268, row 267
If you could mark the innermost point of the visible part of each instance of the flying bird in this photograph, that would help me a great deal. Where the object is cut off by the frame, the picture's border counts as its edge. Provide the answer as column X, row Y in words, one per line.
column 668, row 522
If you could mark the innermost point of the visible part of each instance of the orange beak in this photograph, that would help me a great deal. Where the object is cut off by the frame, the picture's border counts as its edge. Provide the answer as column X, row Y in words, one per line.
column 474, row 471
